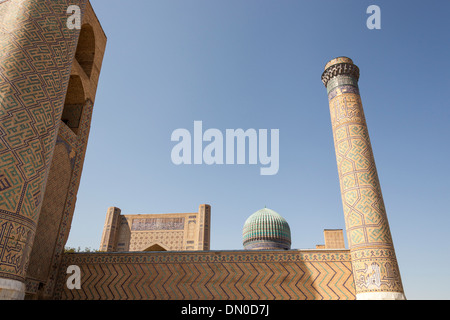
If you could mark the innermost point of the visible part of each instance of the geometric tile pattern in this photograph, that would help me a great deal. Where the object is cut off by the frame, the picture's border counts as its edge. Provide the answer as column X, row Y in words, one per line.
column 36, row 53
column 334, row 239
column 373, row 258
column 54, row 242
column 236, row 275
column 172, row 240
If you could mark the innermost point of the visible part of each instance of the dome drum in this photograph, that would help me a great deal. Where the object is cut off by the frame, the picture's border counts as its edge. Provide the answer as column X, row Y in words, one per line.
column 267, row 245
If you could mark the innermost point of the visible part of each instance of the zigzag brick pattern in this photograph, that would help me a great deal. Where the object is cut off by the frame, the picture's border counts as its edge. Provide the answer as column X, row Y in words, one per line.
column 233, row 275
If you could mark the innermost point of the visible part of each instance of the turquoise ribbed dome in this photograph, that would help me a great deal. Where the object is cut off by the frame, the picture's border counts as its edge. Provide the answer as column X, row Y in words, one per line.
column 266, row 230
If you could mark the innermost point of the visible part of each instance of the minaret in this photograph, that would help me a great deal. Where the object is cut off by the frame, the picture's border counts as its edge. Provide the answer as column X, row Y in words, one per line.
column 375, row 269
column 36, row 55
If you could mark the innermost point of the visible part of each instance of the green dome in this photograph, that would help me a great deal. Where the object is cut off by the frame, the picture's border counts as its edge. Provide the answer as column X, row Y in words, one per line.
column 266, row 230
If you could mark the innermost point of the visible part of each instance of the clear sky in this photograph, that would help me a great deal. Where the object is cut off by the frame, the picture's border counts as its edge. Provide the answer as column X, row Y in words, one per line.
column 257, row 64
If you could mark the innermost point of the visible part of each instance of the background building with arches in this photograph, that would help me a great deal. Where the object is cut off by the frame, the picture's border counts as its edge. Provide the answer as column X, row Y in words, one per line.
column 45, row 115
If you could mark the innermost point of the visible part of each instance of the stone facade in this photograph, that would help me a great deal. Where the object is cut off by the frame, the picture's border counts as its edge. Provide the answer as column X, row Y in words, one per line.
column 156, row 232
column 375, row 267
column 48, row 80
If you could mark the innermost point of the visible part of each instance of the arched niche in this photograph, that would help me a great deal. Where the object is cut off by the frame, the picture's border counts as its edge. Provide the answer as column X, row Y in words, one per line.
column 155, row 247
column 74, row 103
column 86, row 49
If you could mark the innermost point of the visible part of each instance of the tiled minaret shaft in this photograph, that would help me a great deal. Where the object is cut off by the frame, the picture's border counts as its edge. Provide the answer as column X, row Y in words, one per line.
column 375, row 269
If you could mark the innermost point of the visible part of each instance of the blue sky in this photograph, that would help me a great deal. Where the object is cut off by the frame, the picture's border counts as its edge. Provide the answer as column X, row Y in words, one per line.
column 257, row 64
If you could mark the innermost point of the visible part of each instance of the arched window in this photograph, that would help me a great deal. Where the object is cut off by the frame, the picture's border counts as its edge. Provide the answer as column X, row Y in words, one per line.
column 86, row 49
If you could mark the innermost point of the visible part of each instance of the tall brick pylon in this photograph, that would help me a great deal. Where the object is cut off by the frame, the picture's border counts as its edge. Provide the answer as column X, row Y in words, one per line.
column 36, row 53
column 375, row 268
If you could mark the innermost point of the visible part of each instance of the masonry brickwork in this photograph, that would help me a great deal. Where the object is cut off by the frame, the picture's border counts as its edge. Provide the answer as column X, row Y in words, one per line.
column 211, row 275
column 156, row 232
column 49, row 75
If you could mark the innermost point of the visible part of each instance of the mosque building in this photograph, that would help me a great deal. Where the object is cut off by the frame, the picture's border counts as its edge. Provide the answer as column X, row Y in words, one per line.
column 50, row 76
